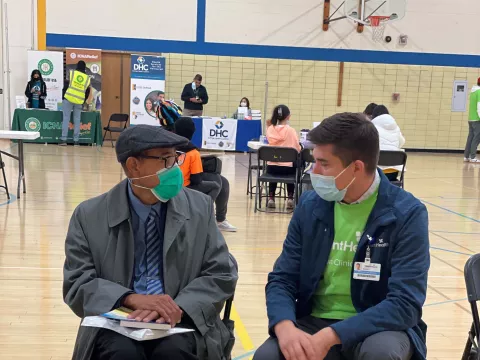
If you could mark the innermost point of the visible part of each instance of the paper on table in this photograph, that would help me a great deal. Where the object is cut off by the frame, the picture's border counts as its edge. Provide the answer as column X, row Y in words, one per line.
column 135, row 334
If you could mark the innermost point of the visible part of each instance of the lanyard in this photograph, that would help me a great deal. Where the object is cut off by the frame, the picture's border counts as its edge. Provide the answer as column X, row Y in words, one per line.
column 371, row 241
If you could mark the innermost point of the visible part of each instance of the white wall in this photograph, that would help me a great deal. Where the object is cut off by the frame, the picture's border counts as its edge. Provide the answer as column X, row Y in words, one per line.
column 160, row 19
column 437, row 26
column 433, row 26
column 20, row 40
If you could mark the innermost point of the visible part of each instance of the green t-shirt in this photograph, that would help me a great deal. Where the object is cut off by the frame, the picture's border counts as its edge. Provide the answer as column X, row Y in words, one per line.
column 332, row 299
column 473, row 114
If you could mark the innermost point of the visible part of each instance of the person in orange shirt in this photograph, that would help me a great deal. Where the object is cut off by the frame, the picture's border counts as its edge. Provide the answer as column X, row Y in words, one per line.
column 214, row 185
column 281, row 134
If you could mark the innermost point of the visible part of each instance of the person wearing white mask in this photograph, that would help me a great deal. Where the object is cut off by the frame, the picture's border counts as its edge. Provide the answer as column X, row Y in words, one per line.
column 195, row 96
column 391, row 138
column 351, row 280
column 244, row 103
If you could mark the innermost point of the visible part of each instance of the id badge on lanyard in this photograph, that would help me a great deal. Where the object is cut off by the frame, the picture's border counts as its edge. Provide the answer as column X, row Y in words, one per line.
column 367, row 270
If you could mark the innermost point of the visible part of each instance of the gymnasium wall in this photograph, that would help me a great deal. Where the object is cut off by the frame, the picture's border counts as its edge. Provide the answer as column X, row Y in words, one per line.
column 265, row 28
column 239, row 45
column 20, row 40
column 309, row 88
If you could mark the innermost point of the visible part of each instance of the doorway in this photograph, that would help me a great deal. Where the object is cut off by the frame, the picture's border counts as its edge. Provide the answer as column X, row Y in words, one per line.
column 115, row 85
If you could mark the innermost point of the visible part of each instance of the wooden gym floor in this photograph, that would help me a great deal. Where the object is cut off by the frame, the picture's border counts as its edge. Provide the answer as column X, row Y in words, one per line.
column 35, row 323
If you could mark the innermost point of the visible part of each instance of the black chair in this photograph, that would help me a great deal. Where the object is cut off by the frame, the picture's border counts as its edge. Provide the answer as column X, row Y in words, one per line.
column 394, row 158
column 472, row 281
column 211, row 164
column 2, row 166
column 117, row 118
column 251, row 168
column 230, row 324
column 275, row 154
column 306, row 160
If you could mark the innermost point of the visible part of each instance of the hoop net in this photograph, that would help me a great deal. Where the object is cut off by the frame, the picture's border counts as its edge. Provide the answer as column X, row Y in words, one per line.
column 378, row 25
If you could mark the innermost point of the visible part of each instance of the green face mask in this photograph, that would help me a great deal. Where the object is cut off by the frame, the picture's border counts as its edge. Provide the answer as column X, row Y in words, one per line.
column 170, row 183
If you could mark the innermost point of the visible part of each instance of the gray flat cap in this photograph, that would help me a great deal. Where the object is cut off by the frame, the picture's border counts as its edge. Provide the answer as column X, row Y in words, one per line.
column 139, row 138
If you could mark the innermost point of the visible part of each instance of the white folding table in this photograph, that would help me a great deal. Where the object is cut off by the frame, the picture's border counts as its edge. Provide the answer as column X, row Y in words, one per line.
column 20, row 136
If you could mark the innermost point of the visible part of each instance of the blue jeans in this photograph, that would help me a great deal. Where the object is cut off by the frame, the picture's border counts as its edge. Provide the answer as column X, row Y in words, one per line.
column 77, row 113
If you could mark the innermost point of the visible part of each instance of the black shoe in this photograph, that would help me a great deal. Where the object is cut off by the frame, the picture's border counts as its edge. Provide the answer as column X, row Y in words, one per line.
column 76, row 143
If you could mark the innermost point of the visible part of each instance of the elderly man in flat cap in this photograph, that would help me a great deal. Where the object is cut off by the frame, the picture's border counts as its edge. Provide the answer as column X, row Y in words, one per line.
column 153, row 246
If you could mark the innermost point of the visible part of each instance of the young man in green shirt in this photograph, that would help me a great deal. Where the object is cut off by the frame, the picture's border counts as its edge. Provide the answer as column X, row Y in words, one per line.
column 473, row 139
column 351, row 280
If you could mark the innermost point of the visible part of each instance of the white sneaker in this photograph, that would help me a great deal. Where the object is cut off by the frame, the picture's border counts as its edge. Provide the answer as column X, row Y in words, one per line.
column 466, row 159
column 271, row 204
column 290, row 204
column 475, row 160
column 226, row 226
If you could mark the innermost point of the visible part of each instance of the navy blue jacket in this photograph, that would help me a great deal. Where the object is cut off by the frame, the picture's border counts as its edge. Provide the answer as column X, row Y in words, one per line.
column 399, row 225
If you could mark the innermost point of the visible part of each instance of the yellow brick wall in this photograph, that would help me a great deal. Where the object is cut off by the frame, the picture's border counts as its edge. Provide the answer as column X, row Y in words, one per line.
column 309, row 88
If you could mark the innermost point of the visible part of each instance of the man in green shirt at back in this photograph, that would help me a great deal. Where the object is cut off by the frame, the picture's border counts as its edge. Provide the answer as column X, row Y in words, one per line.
column 473, row 139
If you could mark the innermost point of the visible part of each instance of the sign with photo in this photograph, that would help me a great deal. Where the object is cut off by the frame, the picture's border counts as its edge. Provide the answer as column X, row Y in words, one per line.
column 219, row 134
column 50, row 65
column 147, row 80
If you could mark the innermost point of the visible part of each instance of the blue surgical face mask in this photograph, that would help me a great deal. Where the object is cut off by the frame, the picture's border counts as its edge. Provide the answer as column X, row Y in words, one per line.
column 194, row 86
column 326, row 187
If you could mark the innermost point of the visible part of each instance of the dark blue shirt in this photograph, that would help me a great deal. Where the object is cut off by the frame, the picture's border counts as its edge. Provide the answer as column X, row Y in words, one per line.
column 37, row 86
column 139, row 213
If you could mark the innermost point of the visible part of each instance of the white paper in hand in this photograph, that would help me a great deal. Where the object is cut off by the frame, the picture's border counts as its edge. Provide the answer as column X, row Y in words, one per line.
column 135, row 334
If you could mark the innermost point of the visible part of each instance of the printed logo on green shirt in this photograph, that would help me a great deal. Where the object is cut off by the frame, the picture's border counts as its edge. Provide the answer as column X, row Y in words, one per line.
column 332, row 299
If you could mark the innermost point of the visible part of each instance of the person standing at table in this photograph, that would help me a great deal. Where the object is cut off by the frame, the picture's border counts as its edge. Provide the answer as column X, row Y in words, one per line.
column 195, row 96
column 36, row 91
column 76, row 90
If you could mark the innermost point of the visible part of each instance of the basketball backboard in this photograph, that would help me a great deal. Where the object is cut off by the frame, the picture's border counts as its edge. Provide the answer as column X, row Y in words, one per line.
column 360, row 10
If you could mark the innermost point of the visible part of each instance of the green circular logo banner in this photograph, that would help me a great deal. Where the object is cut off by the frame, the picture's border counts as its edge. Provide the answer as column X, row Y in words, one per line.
column 32, row 124
column 45, row 66
column 80, row 79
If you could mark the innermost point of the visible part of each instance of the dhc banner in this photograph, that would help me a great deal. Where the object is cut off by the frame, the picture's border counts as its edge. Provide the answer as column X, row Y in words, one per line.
column 146, row 80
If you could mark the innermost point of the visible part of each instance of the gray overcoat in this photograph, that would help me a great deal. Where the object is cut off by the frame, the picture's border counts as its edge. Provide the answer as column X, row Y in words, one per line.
column 99, row 264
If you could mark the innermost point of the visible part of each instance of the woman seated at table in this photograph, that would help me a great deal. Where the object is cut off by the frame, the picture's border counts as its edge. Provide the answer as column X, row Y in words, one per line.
column 244, row 103
column 281, row 134
column 36, row 91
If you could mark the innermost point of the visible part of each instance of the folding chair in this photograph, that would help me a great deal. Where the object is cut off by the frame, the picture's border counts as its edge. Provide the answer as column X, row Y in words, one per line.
column 275, row 154
column 472, row 281
column 306, row 158
column 118, row 118
column 251, row 168
column 5, row 186
column 394, row 158
column 230, row 324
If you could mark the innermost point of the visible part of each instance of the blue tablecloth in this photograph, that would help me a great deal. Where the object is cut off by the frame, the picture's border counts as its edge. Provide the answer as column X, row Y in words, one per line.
column 246, row 131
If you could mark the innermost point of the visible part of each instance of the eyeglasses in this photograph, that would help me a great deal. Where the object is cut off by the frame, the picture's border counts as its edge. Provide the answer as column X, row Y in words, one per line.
column 169, row 161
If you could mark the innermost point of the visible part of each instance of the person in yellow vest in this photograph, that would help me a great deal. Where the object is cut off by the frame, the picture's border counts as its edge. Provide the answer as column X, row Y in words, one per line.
column 75, row 91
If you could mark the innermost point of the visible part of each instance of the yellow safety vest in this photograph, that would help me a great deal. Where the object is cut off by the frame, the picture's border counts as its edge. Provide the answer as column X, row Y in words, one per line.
column 79, row 83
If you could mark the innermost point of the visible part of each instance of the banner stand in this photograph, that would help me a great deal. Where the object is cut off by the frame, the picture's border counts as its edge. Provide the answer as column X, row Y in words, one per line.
column 50, row 65
column 147, row 79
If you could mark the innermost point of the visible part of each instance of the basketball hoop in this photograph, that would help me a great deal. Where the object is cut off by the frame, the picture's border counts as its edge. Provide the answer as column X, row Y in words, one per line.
column 378, row 25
